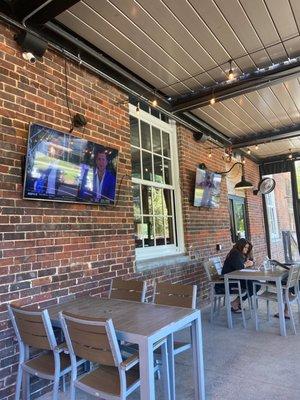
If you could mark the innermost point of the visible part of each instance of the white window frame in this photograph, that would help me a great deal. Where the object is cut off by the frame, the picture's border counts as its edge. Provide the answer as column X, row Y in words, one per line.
column 147, row 253
column 272, row 216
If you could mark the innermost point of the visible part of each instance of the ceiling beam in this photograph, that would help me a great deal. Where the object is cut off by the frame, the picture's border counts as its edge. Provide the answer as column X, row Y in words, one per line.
column 265, row 137
column 281, row 157
column 245, row 84
column 38, row 12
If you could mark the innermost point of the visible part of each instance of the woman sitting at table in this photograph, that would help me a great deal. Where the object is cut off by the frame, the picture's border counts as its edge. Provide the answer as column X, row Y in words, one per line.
column 239, row 258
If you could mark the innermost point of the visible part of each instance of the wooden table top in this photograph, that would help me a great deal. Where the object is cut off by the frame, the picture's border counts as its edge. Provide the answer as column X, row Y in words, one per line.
column 270, row 275
column 128, row 316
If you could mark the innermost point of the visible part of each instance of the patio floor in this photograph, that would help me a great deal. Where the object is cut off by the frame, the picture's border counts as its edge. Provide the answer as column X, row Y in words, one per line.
column 239, row 363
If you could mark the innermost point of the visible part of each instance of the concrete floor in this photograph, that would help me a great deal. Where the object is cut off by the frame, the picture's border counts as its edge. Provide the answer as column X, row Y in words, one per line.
column 240, row 364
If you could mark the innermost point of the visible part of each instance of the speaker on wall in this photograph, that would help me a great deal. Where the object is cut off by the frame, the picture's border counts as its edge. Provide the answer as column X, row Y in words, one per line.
column 200, row 137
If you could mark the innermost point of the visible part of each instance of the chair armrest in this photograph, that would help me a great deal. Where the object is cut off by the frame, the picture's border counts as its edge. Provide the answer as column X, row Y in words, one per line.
column 130, row 362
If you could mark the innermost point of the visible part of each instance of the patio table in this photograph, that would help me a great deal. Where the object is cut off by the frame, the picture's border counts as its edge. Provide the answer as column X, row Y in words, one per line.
column 256, row 275
column 144, row 324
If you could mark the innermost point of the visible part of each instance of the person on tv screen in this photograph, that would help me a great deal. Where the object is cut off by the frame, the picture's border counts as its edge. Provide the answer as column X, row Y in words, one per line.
column 208, row 186
column 104, row 181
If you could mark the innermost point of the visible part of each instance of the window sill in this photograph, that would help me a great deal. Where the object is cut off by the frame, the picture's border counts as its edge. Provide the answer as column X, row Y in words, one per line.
column 160, row 262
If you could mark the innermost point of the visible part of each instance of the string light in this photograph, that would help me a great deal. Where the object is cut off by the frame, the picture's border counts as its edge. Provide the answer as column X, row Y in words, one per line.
column 291, row 154
column 212, row 101
column 210, row 154
column 230, row 72
column 154, row 103
column 243, row 161
column 248, row 151
column 256, row 147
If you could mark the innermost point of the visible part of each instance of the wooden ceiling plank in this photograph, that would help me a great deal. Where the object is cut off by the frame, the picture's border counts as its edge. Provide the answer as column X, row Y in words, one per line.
column 242, row 113
column 283, row 18
column 199, row 112
column 253, row 111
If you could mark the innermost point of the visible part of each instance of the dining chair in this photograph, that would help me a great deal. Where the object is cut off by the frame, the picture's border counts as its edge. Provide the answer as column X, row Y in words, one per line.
column 217, row 290
column 33, row 329
column 94, row 339
column 128, row 290
column 179, row 296
column 290, row 294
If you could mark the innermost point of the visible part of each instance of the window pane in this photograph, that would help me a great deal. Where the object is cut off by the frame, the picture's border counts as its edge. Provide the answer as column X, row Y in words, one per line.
column 136, row 199
column 169, row 230
column 157, row 201
column 144, row 106
column 147, row 166
column 240, row 220
column 147, row 199
column 138, row 232
column 167, row 202
column 145, row 135
column 156, row 140
column 134, row 131
column 135, row 162
column 168, row 172
column 158, row 170
column 164, row 118
column 166, row 144
column 159, row 231
column 148, row 231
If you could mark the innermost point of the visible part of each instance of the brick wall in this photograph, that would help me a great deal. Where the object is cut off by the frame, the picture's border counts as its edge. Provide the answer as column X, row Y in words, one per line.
column 53, row 251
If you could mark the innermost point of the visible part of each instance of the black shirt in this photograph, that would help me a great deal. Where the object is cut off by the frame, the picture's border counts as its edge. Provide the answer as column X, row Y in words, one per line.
column 233, row 262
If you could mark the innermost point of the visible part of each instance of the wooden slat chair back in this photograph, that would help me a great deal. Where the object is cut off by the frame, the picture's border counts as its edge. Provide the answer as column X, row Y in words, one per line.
column 179, row 296
column 175, row 295
column 95, row 340
column 34, row 329
column 293, row 278
column 217, row 262
column 213, row 270
column 128, row 290
column 210, row 270
column 90, row 340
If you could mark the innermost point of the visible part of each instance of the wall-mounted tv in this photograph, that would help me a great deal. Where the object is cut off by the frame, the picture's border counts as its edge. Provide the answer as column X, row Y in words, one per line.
column 63, row 167
column 207, row 189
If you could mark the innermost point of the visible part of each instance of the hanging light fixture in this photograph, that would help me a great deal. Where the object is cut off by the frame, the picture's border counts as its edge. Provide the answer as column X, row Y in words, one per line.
column 243, row 184
column 138, row 109
column 154, row 103
column 290, row 156
column 210, row 154
column 248, row 151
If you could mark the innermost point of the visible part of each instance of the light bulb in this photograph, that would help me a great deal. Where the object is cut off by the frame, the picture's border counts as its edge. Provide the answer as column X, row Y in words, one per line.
column 138, row 110
column 212, row 101
column 256, row 147
column 209, row 154
column 248, row 151
column 154, row 103
column 230, row 75
column 290, row 156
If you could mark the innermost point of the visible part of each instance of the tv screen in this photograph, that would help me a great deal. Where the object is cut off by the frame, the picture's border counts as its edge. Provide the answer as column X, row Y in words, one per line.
column 63, row 167
column 207, row 189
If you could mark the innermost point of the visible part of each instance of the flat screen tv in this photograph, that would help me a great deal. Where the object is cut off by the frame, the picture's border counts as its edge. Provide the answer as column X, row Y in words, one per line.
column 207, row 189
column 63, row 167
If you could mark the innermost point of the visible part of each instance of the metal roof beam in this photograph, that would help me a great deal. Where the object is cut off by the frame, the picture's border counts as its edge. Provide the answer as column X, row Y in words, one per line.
column 265, row 137
column 245, row 84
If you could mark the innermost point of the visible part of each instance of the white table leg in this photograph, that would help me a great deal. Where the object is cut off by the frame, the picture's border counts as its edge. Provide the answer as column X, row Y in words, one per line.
column 280, row 307
column 227, row 299
column 146, row 370
column 170, row 346
column 198, row 358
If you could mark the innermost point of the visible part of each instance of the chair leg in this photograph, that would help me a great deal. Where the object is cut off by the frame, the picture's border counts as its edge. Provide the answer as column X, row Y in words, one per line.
column 55, row 389
column 268, row 311
column 291, row 316
column 26, row 386
column 212, row 300
column 241, row 302
column 19, row 383
column 165, row 371
column 255, row 310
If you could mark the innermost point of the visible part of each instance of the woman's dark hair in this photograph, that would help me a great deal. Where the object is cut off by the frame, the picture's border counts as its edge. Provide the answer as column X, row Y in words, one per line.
column 239, row 245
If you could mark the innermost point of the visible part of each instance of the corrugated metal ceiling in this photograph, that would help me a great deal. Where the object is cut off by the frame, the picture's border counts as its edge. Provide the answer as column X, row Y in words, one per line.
column 179, row 46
